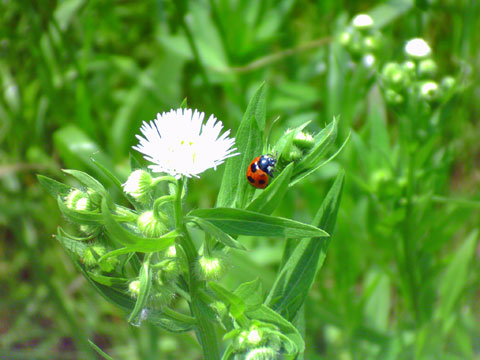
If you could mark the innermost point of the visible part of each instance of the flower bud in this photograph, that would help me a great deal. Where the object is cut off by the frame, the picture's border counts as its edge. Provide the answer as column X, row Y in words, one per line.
column 138, row 185
column 447, row 83
column 255, row 336
column 78, row 200
column 410, row 69
column 394, row 75
column 429, row 90
column 95, row 198
column 134, row 288
column 211, row 267
column 371, row 43
column 417, row 48
column 262, row 353
column 150, row 226
column 392, row 97
column 168, row 272
column 304, row 140
column 88, row 258
column 362, row 22
column 163, row 295
column 427, row 68
column 345, row 38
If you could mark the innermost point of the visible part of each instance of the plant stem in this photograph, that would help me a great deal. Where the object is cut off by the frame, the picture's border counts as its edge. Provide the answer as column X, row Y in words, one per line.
column 205, row 329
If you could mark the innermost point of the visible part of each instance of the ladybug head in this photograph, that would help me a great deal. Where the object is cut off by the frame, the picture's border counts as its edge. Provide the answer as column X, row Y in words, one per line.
column 267, row 163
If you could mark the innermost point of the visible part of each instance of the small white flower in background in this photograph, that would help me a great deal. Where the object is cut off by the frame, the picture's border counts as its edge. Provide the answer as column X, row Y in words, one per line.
column 417, row 48
column 362, row 21
column 368, row 60
column 180, row 143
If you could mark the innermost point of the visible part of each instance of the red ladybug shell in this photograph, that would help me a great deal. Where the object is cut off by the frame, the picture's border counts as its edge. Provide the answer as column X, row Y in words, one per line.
column 256, row 176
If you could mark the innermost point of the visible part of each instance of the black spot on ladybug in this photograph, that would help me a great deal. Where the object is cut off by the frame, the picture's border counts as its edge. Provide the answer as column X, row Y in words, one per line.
column 261, row 182
column 251, row 179
column 253, row 167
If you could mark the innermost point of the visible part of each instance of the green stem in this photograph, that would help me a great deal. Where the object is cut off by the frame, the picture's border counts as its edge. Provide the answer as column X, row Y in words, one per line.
column 205, row 329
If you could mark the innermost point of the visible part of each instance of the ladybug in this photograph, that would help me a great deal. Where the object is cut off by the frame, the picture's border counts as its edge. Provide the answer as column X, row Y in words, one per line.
column 260, row 169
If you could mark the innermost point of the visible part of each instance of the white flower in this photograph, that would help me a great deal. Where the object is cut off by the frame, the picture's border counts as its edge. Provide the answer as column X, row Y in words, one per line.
column 179, row 143
column 417, row 48
column 362, row 21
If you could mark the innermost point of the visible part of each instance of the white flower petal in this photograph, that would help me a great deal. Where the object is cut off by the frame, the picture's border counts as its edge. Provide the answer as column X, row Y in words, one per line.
column 180, row 143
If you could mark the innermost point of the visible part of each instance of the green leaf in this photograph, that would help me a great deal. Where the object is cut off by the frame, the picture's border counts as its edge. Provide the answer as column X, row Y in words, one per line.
column 270, row 198
column 87, row 180
column 77, row 150
column 115, row 181
column 54, row 187
column 132, row 241
column 237, row 306
column 323, row 141
column 456, row 276
column 296, row 277
column 243, row 222
column 76, row 247
column 145, row 278
column 235, row 190
column 251, row 293
column 100, row 351
column 218, row 234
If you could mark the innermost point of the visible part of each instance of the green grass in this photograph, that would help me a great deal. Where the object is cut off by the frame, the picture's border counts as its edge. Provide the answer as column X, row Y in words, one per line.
column 400, row 278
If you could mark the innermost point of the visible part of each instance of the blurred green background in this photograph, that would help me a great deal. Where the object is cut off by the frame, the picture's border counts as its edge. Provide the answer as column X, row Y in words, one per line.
column 78, row 77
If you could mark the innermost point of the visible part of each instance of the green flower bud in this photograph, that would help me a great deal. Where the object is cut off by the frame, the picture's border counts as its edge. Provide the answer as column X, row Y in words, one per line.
column 394, row 75
column 362, row 22
column 262, row 353
column 255, row 336
column 429, row 90
column 95, row 198
column 427, row 67
column 168, row 272
column 345, row 38
column 171, row 252
column 138, row 185
column 211, row 267
column 392, row 97
column 447, row 83
column 78, row 200
column 134, row 288
column 150, row 226
column 304, row 140
column 163, row 295
column 410, row 69
column 371, row 43
column 89, row 258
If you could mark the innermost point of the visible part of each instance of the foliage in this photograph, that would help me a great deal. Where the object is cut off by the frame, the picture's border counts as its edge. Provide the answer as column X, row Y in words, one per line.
column 400, row 277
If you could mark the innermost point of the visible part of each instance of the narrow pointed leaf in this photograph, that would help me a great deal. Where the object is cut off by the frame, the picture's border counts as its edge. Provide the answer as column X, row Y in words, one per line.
column 298, row 274
column 218, row 234
column 54, row 187
column 271, row 197
column 235, row 190
column 243, row 222
column 145, row 278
